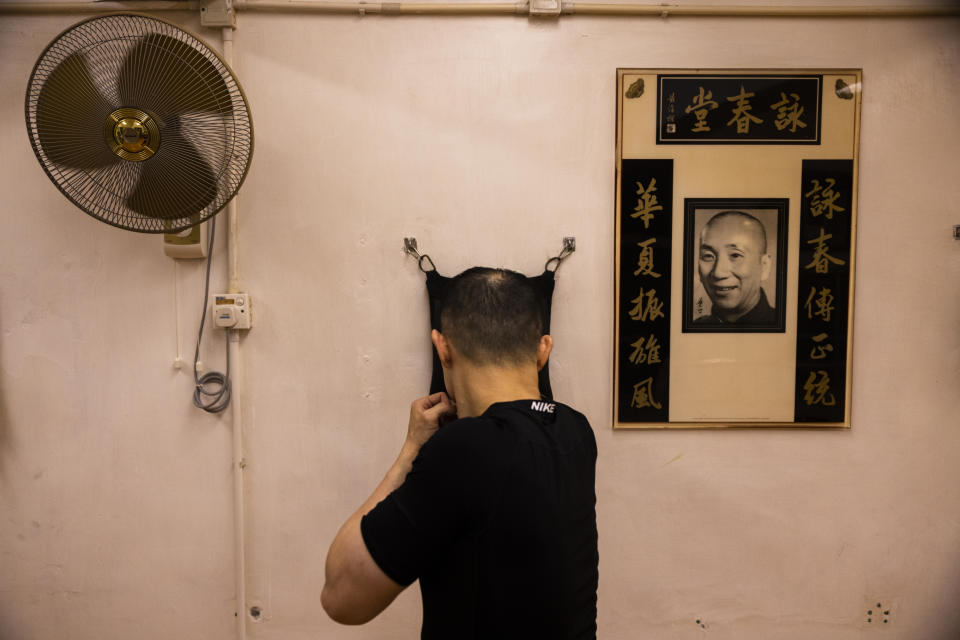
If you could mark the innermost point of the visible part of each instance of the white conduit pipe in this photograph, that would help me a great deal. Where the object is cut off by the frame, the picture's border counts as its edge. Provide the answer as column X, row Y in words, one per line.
column 504, row 8
column 237, row 398
column 385, row 8
column 592, row 8
column 750, row 11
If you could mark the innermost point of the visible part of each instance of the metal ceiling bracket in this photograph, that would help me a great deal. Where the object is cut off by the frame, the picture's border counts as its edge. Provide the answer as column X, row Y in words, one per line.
column 217, row 14
column 410, row 247
column 545, row 8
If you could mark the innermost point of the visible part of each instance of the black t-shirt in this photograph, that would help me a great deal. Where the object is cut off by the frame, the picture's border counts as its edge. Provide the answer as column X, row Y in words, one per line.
column 497, row 518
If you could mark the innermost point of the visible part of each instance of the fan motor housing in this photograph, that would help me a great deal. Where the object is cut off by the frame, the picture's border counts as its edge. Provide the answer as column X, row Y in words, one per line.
column 132, row 134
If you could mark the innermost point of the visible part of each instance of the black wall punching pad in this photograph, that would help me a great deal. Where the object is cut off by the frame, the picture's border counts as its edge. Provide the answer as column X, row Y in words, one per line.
column 437, row 288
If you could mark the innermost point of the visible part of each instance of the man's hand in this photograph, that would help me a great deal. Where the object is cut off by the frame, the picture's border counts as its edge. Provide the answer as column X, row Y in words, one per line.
column 426, row 416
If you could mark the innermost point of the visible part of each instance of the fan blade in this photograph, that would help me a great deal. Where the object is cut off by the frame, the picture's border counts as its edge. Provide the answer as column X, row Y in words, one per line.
column 176, row 182
column 71, row 113
column 166, row 76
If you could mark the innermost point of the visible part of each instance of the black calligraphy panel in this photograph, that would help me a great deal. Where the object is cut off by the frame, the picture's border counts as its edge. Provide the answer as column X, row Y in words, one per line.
column 643, row 356
column 738, row 109
column 823, row 298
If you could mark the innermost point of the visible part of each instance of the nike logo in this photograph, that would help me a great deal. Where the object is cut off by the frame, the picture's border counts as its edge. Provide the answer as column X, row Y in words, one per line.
column 543, row 406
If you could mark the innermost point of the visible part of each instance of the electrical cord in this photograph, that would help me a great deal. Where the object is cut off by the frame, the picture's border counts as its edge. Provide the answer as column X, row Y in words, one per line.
column 217, row 398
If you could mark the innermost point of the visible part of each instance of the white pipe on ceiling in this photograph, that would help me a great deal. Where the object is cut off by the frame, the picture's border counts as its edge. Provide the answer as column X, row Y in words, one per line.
column 385, row 8
column 749, row 11
column 504, row 8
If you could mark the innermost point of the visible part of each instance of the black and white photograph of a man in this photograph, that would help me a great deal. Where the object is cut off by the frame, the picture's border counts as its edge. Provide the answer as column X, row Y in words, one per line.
column 734, row 265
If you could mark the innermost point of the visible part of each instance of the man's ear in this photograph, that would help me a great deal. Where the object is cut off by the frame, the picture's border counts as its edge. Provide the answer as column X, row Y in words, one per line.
column 764, row 266
column 543, row 351
column 443, row 348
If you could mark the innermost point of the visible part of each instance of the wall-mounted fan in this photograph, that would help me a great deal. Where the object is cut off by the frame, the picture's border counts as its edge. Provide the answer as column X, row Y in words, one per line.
column 139, row 123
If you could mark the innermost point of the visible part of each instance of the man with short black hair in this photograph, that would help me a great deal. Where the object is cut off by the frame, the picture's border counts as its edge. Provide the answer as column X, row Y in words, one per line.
column 493, row 512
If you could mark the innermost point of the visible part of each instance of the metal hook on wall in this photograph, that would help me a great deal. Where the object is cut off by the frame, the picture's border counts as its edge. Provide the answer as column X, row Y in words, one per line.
column 568, row 247
column 410, row 248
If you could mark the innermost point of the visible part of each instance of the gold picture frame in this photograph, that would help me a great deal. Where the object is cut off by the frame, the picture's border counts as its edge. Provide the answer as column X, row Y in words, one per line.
column 735, row 244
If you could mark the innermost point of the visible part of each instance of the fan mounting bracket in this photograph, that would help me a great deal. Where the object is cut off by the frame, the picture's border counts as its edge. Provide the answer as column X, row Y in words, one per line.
column 217, row 13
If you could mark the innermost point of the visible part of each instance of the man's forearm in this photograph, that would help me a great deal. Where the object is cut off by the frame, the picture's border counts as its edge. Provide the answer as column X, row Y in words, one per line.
column 356, row 588
column 337, row 558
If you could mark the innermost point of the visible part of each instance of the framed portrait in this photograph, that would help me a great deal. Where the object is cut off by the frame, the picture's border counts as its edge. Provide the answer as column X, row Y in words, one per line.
column 735, row 228
column 734, row 265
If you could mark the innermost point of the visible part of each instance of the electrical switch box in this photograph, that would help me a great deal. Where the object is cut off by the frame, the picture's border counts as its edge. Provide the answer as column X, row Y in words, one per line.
column 231, row 310
column 218, row 13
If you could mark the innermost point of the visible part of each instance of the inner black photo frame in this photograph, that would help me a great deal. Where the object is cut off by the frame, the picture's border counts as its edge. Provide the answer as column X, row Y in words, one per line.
column 769, row 314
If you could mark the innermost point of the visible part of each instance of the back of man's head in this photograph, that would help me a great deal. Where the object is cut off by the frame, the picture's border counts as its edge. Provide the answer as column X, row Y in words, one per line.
column 492, row 316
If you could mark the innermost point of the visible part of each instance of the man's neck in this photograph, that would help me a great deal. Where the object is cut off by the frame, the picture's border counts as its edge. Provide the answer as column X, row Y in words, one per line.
column 479, row 386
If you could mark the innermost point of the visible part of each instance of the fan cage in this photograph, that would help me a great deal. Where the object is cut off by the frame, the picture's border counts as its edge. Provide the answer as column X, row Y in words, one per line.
column 223, row 138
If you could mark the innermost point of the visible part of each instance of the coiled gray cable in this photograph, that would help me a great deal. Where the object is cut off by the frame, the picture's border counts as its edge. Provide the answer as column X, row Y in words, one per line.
column 217, row 398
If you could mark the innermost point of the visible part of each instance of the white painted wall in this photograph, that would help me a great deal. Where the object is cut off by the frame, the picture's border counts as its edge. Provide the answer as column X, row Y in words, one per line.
column 488, row 139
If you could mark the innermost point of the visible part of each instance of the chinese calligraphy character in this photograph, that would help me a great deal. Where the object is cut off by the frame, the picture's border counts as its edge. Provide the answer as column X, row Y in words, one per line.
column 645, row 260
column 649, row 353
column 821, row 259
column 817, row 390
column 819, row 351
column 824, row 303
column 643, row 395
column 646, row 306
column 788, row 113
column 824, row 199
column 741, row 112
column 647, row 204
column 701, row 106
